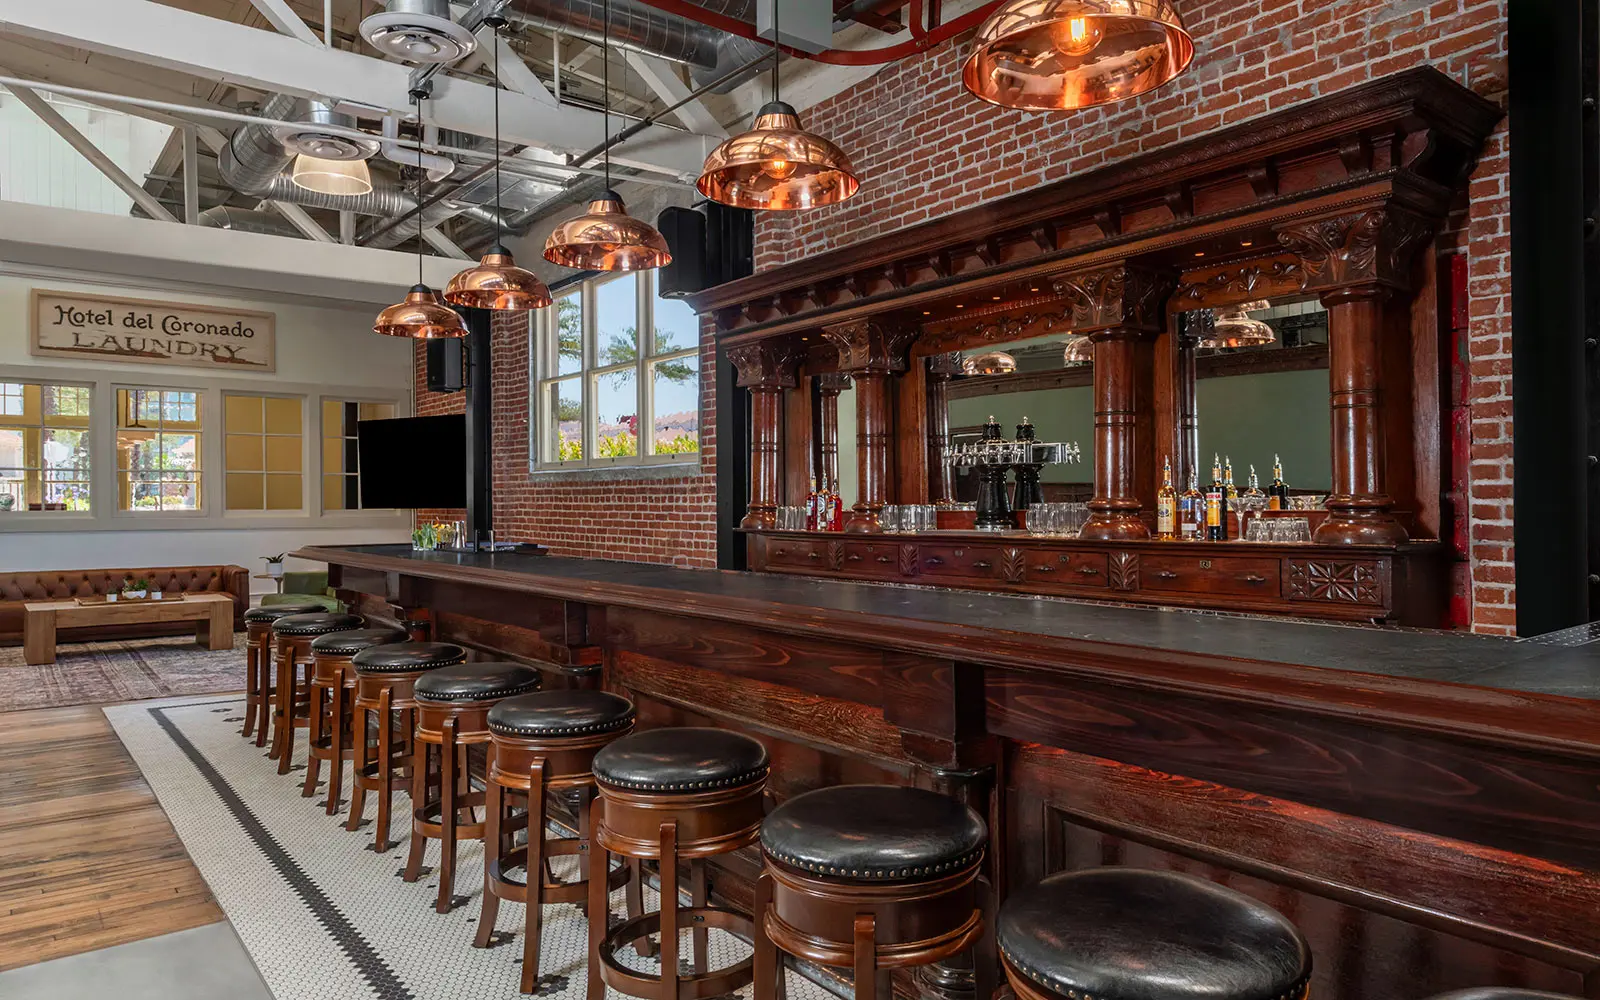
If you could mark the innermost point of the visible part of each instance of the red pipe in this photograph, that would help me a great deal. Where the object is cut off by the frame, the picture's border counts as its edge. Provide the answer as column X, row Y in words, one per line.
column 837, row 57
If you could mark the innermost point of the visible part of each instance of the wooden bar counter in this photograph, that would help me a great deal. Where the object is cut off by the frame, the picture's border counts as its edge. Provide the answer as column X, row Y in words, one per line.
column 1424, row 805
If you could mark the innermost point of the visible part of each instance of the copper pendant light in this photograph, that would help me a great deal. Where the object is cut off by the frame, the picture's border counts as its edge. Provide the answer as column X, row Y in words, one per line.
column 989, row 363
column 1233, row 327
column 777, row 165
column 606, row 237
column 497, row 282
column 1078, row 350
column 421, row 315
column 1060, row 55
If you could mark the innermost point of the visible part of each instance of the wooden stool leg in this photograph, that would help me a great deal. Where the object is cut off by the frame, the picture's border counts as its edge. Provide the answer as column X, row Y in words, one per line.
column 338, row 710
column 645, row 947
column 264, row 703
column 985, row 961
column 252, row 689
column 286, row 699
column 448, row 784
column 699, row 896
column 314, row 735
column 419, row 806
column 599, row 907
column 489, row 909
column 358, row 763
column 767, row 968
column 669, row 911
column 867, row 984
column 531, row 930
column 380, row 841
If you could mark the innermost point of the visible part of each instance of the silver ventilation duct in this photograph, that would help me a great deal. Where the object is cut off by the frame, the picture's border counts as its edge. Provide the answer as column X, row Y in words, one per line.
column 418, row 31
column 244, row 220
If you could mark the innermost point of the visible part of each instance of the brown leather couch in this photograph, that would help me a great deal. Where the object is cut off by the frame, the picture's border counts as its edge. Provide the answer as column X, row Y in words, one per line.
column 17, row 589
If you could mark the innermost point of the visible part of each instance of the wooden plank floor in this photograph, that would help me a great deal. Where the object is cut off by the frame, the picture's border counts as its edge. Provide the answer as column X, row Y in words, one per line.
column 87, row 857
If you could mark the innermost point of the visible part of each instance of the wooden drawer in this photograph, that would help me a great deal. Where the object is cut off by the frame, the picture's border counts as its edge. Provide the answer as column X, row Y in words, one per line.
column 957, row 561
column 1242, row 576
column 877, row 560
column 1053, row 569
column 811, row 554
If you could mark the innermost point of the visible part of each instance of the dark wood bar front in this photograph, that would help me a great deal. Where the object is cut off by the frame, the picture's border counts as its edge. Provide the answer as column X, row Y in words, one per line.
column 1424, row 806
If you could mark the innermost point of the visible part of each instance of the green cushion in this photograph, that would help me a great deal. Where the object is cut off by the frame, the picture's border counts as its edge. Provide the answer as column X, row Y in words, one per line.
column 306, row 583
column 332, row 604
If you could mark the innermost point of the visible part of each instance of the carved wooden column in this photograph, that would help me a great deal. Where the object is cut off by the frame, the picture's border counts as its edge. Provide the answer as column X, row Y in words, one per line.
column 870, row 353
column 1355, row 263
column 1187, row 457
column 766, row 369
column 1120, row 309
column 829, row 385
column 941, row 481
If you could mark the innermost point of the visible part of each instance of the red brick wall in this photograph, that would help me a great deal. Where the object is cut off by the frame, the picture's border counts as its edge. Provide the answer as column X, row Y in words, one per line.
column 670, row 520
column 926, row 148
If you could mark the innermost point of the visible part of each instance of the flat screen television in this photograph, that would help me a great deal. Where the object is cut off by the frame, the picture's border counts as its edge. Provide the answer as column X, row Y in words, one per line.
column 413, row 462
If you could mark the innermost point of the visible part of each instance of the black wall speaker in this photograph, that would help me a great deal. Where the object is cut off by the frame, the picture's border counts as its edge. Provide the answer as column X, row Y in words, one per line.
column 446, row 365
column 685, row 231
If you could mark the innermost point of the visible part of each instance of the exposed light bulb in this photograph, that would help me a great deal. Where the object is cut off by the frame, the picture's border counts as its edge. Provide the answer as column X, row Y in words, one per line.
column 779, row 170
column 1077, row 36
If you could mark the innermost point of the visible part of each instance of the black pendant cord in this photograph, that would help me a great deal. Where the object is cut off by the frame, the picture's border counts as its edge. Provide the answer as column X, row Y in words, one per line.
column 422, row 133
column 776, row 55
column 499, row 218
column 605, row 85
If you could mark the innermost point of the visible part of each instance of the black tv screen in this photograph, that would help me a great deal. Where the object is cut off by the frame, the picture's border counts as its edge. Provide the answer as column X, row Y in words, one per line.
column 413, row 462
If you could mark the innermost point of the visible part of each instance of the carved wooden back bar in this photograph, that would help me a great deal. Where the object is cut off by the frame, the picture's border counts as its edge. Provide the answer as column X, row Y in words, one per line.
column 1338, row 197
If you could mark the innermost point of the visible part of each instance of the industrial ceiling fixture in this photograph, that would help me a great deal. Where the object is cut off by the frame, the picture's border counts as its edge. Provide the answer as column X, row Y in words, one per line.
column 418, row 31
column 606, row 237
column 420, row 315
column 1060, row 55
column 777, row 165
column 329, row 162
column 1079, row 350
column 497, row 282
column 989, row 363
column 1233, row 327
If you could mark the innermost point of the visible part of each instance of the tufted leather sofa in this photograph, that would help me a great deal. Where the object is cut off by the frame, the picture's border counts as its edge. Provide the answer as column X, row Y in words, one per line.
column 17, row 589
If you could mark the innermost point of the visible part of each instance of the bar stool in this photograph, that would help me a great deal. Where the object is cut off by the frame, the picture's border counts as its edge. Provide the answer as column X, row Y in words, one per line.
column 258, row 681
column 1501, row 993
column 333, row 692
column 291, row 700
column 453, row 706
column 541, row 743
column 672, row 795
column 869, row 877
column 385, row 677
column 1150, row 935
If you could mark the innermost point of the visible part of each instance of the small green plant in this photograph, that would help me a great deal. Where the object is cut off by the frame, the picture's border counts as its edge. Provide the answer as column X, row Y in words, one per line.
column 132, row 586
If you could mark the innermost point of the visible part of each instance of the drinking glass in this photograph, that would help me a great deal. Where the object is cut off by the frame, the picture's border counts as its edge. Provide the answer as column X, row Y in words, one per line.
column 927, row 517
column 1301, row 529
column 1038, row 519
column 1258, row 531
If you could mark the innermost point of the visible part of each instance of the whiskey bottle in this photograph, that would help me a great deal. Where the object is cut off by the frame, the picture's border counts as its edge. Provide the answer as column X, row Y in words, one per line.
column 1166, row 504
column 812, row 506
column 1254, row 491
column 1192, row 508
column 835, row 509
column 1227, row 480
column 1216, row 504
column 1278, row 492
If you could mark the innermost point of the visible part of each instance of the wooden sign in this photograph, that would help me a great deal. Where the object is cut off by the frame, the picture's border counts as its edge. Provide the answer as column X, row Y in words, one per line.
column 80, row 325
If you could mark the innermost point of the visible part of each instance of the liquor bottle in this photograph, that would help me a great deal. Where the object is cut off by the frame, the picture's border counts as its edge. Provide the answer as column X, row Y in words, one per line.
column 1216, row 504
column 1227, row 480
column 1278, row 492
column 1166, row 504
column 835, row 509
column 1254, row 490
column 811, row 506
column 1193, row 507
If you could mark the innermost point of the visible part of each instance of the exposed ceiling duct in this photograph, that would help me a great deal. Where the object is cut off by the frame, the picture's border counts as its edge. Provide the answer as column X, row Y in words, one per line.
column 244, row 220
column 418, row 31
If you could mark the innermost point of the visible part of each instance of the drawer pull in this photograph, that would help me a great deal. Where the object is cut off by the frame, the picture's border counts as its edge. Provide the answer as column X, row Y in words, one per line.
column 854, row 557
column 883, row 559
column 1045, row 568
column 935, row 561
column 1166, row 574
column 1088, row 571
column 780, row 551
column 1252, row 578
column 813, row 555
column 981, row 564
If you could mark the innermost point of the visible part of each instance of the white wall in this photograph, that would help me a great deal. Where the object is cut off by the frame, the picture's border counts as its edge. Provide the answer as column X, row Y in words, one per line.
column 321, row 349
column 39, row 167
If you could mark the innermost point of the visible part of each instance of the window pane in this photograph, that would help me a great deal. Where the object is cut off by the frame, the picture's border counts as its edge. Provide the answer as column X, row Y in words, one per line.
column 283, row 415
column 242, row 414
column 564, row 420
column 333, row 418
column 180, row 452
column 333, row 493
column 244, row 491
column 283, row 492
column 373, row 411
column 616, row 414
column 569, row 334
column 244, row 453
column 66, row 451
column 283, row 454
column 66, row 405
column 11, row 399
column 617, row 320
column 677, row 326
column 677, row 405
column 11, row 454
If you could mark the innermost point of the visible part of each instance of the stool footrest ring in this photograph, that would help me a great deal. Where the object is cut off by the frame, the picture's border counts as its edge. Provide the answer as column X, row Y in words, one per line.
column 691, row 987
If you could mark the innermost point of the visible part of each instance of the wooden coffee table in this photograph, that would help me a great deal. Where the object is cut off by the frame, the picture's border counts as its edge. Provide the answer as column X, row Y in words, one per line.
column 211, row 613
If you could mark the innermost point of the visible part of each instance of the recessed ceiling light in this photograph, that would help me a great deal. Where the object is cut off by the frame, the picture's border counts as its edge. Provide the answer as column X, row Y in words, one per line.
column 1199, row 253
column 960, row 306
column 1033, row 289
column 997, row 298
column 926, row 313
column 1247, row 243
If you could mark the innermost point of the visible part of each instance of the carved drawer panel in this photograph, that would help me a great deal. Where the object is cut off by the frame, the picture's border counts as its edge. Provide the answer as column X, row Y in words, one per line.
column 1053, row 569
column 812, row 555
column 1201, row 573
column 959, row 561
column 1336, row 581
column 877, row 560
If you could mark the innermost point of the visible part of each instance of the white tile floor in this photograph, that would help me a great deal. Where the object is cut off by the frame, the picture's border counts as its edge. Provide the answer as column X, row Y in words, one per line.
column 323, row 917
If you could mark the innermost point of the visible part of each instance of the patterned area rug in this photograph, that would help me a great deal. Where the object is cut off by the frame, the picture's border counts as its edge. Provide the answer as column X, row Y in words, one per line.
column 99, row 673
column 323, row 916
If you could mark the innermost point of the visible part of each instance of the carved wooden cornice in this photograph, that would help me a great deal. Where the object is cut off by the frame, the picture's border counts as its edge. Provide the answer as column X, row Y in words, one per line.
column 1411, row 136
column 833, row 383
column 945, row 365
column 1234, row 283
column 1126, row 297
column 770, row 364
column 1371, row 249
column 869, row 348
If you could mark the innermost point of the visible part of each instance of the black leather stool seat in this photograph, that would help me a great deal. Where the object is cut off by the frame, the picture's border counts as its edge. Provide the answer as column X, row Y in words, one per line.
column 320, row 623
column 477, row 682
column 880, row 832
column 681, row 761
column 352, row 641
column 1131, row 934
column 267, row 614
column 1501, row 993
column 557, row 714
column 406, row 657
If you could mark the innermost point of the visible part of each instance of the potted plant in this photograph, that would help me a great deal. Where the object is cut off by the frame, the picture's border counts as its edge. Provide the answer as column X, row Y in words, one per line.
column 275, row 565
column 135, row 590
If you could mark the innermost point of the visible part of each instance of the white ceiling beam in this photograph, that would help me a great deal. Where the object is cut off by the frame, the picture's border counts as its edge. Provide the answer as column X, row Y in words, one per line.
column 191, row 176
column 302, row 220
column 281, row 16
column 211, row 138
column 510, row 69
column 184, row 42
column 89, row 151
column 444, row 244
column 662, row 77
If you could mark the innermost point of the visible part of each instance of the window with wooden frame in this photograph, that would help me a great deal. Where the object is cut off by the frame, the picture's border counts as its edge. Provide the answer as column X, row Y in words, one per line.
column 44, row 446
column 263, row 452
column 341, row 469
column 158, row 450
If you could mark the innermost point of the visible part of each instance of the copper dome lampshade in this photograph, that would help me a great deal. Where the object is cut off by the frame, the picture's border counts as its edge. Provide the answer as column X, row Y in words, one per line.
column 777, row 166
column 1061, row 55
column 1077, row 350
column 1233, row 327
column 989, row 363
column 420, row 316
column 607, row 238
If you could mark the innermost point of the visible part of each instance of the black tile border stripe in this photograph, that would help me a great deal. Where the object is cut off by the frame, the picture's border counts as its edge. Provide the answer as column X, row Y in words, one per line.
column 383, row 980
